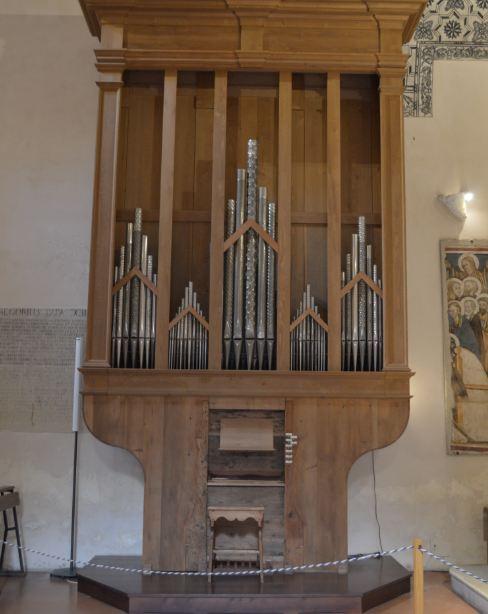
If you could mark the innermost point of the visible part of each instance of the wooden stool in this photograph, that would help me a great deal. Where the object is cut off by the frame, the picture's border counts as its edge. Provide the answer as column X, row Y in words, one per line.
column 236, row 514
column 9, row 499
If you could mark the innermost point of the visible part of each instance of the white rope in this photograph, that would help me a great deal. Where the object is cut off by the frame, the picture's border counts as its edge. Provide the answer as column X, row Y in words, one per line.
column 245, row 572
column 250, row 572
column 453, row 566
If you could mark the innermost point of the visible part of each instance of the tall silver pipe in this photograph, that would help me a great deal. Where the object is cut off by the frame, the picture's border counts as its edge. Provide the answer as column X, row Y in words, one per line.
column 375, row 322
column 369, row 308
column 355, row 302
column 239, row 268
column 343, row 324
column 348, row 314
column 261, row 319
column 142, row 302
column 189, row 328
column 251, row 250
column 120, row 311
column 229, row 282
column 114, row 318
column 188, row 337
column 135, row 287
column 308, row 325
column 148, row 315
column 362, row 292
column 179, row 340
column 380, row 329
column 153, row 322
column 270, row 285
column 188, row 291
column 127, row 295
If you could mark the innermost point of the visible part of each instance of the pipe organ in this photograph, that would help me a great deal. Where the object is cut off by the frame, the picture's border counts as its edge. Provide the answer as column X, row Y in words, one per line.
column 248, row 258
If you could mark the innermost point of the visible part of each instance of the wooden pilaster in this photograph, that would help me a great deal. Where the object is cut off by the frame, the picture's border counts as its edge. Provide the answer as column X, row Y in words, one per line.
column 334, row 220
column 393, row 219
column 218, row 219
column 103, row 226
column 166, row 217
column 284, row 221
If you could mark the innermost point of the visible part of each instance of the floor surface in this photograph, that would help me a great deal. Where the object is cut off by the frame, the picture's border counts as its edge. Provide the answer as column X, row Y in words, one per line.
column 37, row 593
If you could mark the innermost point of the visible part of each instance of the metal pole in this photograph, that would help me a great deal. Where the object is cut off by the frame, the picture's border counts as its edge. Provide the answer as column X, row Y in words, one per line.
column 70, row 573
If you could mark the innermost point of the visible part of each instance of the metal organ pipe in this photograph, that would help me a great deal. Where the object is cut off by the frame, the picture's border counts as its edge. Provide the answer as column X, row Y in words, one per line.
column 134, row 310
column 249, row 278
column 362, row 308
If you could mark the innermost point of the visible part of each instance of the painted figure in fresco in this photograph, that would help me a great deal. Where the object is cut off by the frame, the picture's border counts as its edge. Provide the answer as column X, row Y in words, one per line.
column 461, row 327
column 469, row 267
column 471, row 287
column 455, row 289
column 470, row 308
column 483, row 316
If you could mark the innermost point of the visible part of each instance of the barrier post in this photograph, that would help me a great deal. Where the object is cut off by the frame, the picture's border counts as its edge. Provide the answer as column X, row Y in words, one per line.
column 418, row 577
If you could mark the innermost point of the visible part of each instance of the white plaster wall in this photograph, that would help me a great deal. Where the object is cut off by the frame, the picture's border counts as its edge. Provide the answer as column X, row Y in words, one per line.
column 48, row 109
column 47, row 114
column 421, row 490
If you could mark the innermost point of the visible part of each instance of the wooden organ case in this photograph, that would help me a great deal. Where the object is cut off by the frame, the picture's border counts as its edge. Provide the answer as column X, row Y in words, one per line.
column 183, row 85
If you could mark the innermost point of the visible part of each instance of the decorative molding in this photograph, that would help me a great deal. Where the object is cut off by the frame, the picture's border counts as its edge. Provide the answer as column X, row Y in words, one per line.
column 448, row 30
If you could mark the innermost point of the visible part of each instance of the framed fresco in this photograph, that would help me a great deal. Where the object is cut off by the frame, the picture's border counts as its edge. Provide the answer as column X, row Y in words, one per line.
column 464, row 267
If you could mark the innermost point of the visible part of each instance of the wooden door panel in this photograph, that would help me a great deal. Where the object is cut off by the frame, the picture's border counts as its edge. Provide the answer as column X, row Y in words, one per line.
column 184, row 484
column 316, row 482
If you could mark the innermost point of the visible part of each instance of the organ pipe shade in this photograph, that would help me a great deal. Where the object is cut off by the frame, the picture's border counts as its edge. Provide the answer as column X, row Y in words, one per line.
column 249, row 274
column 134, row 304
column 362, row 308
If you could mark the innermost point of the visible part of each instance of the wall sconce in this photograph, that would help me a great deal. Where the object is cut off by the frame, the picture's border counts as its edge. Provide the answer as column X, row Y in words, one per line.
column 456, row 203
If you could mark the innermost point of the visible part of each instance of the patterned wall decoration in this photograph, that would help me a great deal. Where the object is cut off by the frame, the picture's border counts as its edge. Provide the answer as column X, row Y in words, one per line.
column 448, row 30
column 36, row 368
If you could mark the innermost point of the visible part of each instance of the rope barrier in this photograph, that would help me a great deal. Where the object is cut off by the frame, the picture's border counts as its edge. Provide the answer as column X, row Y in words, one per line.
column 245, row 572
column 252, row 572
column 453, row 566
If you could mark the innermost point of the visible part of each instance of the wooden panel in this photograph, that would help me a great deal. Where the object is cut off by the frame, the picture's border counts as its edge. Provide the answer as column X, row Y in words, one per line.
column 393, row 214
column 190, row 262
column 270, row 384
column 168, row 436
column 166, row 217
column 243, row 464
column 309, row 186
column 218, row 218
column 192, row 188
column 141, row 130
column 244, row 535
column 103, row 225
column 334, row 220
column 246, row 435
column 360, row 145
column 184, row 485
column 332, row 434
column 284, row 221
column 252, row 112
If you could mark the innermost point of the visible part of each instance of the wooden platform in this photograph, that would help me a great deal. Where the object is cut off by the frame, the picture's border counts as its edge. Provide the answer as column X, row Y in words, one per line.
column 366, row 585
